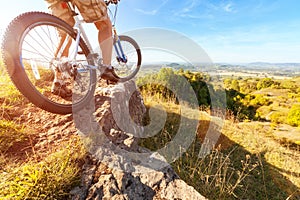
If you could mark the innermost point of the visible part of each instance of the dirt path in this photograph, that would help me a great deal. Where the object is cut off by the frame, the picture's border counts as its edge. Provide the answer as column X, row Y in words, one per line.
column 46, row 131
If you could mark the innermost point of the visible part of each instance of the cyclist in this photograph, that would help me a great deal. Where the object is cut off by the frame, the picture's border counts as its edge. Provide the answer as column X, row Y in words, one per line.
column 92, row 11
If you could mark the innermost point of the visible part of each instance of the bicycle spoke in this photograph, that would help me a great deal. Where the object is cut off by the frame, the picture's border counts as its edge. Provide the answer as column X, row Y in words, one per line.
column 39, row 48
column 34, row 39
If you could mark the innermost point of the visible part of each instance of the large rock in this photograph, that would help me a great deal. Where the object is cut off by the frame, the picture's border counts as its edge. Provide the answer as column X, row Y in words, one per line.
column 118, row 168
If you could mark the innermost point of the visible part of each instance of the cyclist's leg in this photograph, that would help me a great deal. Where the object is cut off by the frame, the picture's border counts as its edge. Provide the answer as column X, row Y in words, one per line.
column 106, row 45
column 61, row 10
column 97, row 12
column 105, row 39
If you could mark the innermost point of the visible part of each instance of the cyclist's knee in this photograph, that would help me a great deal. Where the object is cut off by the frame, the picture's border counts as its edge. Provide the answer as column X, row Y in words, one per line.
column 104, row 25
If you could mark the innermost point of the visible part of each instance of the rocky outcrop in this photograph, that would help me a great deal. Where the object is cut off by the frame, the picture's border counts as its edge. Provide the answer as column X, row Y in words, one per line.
column 118, row 168
column 101, row 182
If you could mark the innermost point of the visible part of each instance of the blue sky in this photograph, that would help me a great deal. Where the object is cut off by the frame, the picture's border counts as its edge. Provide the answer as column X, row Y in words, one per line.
column 228, row 30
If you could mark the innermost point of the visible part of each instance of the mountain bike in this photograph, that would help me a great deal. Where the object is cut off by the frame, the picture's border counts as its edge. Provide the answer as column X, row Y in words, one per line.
column 32, row 47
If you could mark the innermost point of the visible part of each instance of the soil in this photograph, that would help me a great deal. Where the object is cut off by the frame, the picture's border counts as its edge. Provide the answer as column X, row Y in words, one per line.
column 45, row 131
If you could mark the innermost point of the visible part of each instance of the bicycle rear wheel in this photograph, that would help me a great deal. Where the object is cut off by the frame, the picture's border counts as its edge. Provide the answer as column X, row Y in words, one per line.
column 126, row 70
column 30, row 49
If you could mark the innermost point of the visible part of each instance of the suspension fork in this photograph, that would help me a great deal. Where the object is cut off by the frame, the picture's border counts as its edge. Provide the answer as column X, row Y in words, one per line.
column 118, row 47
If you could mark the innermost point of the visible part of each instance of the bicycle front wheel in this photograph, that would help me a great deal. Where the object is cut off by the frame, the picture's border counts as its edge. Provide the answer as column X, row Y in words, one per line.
column 31, row 46
column 128, row 68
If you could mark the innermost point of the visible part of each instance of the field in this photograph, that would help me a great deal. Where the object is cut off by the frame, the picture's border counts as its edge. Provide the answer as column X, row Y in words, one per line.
column 257, row 155
column 250, row 161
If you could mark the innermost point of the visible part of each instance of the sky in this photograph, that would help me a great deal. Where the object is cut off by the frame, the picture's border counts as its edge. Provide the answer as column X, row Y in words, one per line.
column 229, row 31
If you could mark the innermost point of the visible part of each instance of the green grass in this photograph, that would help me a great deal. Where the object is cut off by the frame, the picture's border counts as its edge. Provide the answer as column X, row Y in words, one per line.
column 8, row 92
column 11, row 134
column 10, row 97
column 24, row 173
column 51, row 178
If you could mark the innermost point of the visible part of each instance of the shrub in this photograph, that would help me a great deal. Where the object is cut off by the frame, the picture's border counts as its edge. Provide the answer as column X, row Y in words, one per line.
column 289, row 84
column 278, row 117
column 169, row 83
column 264, row 83
column 294, row 115
column 259, row 100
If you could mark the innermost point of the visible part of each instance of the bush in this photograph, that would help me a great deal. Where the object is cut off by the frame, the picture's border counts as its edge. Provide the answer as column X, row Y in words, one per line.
column 289, row 84
column 167, row 84
column 294, row 115
column 264, row 83
column 278, row 118
column 259, row 100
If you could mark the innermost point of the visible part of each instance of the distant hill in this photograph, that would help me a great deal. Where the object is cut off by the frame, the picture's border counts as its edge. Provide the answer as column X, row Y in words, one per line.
column 246, row 69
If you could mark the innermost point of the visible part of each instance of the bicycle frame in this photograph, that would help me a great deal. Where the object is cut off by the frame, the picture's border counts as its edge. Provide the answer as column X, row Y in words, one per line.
column 82, row 34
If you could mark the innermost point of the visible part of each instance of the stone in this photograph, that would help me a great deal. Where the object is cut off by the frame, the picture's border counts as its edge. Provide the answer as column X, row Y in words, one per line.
column 122, row 169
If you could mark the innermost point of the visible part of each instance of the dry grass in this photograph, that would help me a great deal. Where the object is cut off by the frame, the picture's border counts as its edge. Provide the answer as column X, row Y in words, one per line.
column 248, row 163
column 282, row 157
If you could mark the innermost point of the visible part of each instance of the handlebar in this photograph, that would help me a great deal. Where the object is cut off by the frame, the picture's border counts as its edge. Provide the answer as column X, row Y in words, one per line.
column 107, row 2
column 111, row 2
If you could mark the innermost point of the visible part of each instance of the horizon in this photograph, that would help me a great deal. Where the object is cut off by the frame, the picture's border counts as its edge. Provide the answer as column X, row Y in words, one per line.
column 229, row 63
column 230, row 31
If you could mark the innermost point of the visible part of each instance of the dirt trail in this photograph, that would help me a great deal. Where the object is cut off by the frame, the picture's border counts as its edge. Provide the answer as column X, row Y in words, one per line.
column 46, row 131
